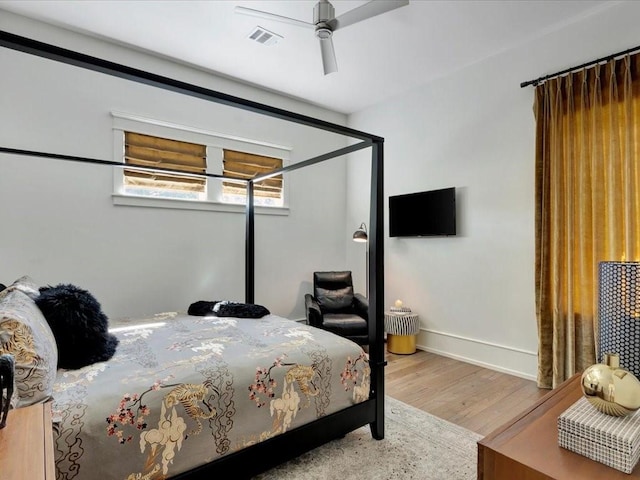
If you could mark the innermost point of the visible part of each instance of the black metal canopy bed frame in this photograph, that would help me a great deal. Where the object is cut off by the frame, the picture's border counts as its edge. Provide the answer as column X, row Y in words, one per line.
column 243, row 464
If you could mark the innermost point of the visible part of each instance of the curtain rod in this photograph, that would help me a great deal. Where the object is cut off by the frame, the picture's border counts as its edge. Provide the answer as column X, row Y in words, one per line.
column 572, row 69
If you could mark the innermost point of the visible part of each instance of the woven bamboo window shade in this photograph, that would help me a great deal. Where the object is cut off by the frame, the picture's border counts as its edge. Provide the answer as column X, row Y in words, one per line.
column 148, row 151
column 246, row 166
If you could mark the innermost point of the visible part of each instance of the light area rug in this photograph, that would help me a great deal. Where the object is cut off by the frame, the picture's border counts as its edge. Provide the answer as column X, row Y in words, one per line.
column 417, row 445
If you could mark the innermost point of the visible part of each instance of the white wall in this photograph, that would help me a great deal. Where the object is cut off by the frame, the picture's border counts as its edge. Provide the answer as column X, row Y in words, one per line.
column 58, row 221
column 475, row 130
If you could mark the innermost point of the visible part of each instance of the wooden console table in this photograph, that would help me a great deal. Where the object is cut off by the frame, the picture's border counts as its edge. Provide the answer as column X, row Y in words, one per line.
column 527, row 448
column 26, row 444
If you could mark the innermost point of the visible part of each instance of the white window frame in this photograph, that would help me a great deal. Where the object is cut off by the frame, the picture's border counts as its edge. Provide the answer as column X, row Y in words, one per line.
column 215, row 143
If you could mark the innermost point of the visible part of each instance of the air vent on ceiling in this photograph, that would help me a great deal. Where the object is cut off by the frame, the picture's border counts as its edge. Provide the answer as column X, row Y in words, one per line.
column 264, row 36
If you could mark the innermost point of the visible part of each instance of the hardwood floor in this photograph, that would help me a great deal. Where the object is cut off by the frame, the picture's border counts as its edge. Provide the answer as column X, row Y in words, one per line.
column 470, row 396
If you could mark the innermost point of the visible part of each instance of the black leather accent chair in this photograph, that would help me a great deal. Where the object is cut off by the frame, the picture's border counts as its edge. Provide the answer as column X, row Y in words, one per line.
column 336, row 308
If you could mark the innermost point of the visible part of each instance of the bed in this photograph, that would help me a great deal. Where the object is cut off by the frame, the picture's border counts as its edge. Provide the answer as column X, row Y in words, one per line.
column 264, row 377
column 182, row 391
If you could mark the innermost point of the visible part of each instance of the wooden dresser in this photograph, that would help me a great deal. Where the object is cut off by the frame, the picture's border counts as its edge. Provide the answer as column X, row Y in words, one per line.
column 26, row 444
column 526, row 448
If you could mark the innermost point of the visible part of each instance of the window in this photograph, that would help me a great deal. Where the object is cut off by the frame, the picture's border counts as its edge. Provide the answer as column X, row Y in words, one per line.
column 195, row 157
column 247, row 166
column 149, row 151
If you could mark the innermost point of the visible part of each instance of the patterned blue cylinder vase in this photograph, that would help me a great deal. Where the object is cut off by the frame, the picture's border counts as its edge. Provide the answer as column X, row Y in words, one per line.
column 619, row 313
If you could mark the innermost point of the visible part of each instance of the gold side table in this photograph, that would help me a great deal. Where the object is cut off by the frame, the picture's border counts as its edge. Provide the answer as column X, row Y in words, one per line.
column 402, row 329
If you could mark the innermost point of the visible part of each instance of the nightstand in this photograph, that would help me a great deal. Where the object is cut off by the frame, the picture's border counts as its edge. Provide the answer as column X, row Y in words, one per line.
column 26, row 444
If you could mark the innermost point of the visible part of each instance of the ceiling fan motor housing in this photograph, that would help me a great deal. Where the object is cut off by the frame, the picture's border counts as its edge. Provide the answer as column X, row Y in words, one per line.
column 323, row 12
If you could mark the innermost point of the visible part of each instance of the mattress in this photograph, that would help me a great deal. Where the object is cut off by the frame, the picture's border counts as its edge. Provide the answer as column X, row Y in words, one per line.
column 182, row 391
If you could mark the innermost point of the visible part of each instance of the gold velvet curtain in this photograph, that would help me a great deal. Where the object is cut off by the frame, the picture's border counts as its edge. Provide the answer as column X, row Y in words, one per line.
column 587, row 204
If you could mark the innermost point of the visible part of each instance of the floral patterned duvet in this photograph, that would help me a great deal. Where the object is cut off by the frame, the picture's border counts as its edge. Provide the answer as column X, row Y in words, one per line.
column 182, row 391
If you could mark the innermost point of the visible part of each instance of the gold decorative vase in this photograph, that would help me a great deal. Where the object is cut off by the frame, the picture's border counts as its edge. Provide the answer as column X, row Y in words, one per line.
column 611, row 389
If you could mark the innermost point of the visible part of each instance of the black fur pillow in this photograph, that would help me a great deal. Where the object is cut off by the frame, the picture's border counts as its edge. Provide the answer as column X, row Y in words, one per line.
column 240, row 310
column 78, row 324
column 202, row 308
column 227, row 309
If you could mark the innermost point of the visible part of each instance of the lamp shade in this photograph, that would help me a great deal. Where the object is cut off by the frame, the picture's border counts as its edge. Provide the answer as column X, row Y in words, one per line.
column 360, row 235
column 619, row 313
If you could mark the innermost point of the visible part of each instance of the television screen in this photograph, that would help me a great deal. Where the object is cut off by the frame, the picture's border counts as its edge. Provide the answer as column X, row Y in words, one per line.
column 423, row 214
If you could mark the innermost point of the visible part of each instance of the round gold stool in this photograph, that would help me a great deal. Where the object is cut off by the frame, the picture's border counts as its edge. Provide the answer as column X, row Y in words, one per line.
column 402, row 329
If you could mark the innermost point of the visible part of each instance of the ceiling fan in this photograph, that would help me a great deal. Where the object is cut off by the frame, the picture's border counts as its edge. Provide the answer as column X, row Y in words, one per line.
column 325, row 22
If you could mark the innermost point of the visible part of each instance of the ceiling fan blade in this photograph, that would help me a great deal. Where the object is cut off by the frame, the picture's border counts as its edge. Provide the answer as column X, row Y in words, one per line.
column 368, row 10
column 273, row 16
column 329, row 63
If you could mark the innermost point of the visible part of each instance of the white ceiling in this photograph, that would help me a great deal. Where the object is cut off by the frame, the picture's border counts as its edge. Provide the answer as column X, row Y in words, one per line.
column 377, row 58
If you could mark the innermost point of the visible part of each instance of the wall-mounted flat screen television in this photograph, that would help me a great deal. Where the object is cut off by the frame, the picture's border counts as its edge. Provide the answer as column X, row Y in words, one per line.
column 423, row 214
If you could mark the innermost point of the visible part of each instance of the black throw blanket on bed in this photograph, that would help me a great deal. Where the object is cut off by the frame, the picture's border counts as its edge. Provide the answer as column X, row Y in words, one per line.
column 227, row 309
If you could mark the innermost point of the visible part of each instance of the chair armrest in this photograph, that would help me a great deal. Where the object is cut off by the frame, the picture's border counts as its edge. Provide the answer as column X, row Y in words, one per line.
column 314, row 315
column 361, row 305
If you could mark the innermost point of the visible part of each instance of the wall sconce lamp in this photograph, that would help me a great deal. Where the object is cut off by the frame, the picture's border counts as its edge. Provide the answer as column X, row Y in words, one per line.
column 361, row 236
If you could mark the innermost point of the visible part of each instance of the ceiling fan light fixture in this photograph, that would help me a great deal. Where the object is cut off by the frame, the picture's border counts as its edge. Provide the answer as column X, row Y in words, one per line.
column 323, row 32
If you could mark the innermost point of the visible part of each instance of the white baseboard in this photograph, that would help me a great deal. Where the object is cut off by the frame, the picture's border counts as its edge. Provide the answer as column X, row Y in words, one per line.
column 521, row 363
